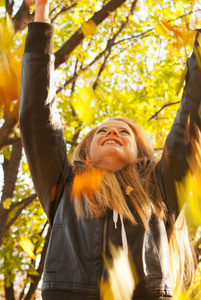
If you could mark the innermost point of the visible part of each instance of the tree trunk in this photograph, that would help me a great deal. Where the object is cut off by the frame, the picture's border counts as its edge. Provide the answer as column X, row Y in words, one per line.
column 9, row 292
column 10, row 177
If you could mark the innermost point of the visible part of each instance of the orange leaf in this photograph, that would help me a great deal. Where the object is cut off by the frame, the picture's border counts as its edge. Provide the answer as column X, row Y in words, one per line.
column 87, row 182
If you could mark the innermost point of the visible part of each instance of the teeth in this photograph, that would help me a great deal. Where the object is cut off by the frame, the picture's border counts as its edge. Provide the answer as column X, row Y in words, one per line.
column 110, row 142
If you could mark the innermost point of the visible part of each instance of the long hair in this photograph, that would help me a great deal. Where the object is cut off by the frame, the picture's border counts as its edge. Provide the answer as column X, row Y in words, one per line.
column 135, row 193
column 144, row 198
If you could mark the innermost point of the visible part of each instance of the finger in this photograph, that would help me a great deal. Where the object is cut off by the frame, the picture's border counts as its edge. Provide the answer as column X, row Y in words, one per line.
column 28, row 3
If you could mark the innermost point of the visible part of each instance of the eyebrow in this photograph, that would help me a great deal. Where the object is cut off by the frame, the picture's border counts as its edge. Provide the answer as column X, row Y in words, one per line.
column 115, row 127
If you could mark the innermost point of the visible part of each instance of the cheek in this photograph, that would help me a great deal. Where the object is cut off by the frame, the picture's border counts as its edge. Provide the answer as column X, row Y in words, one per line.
column 134, row 151
column 93, row 148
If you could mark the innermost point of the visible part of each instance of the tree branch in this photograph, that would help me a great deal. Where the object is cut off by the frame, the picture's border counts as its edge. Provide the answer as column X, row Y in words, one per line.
column 139, row 36
column 108, row 48
column 9, row 7
column 165, row 105
column 12, row 141
column 7, row 130
column 22, row 18
column 14, row 205
column 111, row 42
column 11, row 172
column 63, row 10
column 63, row 53
column 36, row 278
column 25, row 203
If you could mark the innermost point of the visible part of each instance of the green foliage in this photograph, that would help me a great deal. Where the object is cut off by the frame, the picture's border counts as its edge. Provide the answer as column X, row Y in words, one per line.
column 16, row 262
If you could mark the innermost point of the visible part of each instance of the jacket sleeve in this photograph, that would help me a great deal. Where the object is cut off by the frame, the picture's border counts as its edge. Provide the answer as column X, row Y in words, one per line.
column 173, row 165
column 40, row 126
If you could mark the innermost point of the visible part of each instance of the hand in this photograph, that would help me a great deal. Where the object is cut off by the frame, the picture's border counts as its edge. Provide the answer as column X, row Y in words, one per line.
column 41, row 9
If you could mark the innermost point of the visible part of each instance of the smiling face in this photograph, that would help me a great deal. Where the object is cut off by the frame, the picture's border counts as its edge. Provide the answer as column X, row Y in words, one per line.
column 113, row 146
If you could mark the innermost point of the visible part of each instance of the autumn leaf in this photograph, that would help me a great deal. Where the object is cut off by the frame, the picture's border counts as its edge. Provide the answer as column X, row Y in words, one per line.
column 88, row 28
column 189, row 189
column 189, row 195
column 85, row 104
column 197, row 50
column 106, row 291
column 2, row 3
column 160, row 29
column 10, row 70
column 87, row 182
column 122, row 277
column 182, row 35
column 7, row 203
column 181, row 82
column 6, row 34
column 27, row 246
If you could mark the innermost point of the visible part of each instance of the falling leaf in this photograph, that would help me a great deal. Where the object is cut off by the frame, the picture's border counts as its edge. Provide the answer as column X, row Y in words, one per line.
column 27, row 246
column 181, row 82
column 7, row 203
column 87, row 182
column 6, row 34
column 122, row 276
column 129, row 189
column 2, row 3
column 106, row 291
column 160, row 29
column 189, row 189
column 85, row 104
column 181, row 36
column 10, row 70
column 88, row 28
column 189, row 195
column 197, row 50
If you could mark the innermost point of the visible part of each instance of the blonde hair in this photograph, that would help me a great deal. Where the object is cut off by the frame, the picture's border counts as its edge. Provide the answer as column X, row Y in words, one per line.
column 144, row 200
column 145, row 196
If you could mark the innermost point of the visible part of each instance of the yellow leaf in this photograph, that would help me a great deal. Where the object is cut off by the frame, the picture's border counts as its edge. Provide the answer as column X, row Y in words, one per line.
column 181, row 296
column 88, row 28
column 199, row 38
column 122, row 276
column 2, row 3
column 197, row 51
column 10, row 70
column 27, row 246
column 7, row 203
column 85, row 104
column 106, row 291
column 181, row 82
column 6, row 34
column 189, row 197
column 160, row 29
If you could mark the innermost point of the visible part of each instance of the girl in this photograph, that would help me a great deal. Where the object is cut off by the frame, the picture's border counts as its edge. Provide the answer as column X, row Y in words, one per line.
column 134, row 204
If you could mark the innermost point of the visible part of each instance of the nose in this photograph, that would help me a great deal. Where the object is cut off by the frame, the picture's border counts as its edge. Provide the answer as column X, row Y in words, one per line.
column 112, row 131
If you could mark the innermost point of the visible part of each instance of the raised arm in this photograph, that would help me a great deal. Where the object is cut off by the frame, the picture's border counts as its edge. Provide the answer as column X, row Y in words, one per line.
column 41, row 11
column 40, row 126
column 173, row 165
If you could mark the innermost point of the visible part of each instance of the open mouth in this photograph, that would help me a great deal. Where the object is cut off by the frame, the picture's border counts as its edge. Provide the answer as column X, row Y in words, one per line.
column 112, row 142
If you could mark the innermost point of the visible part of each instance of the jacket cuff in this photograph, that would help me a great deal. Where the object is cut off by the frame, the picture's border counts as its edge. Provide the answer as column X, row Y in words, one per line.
column 39, row 38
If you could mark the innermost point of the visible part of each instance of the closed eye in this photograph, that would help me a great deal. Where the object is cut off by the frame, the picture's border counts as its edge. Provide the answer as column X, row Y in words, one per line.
column 101, row 130
column 126, row 131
